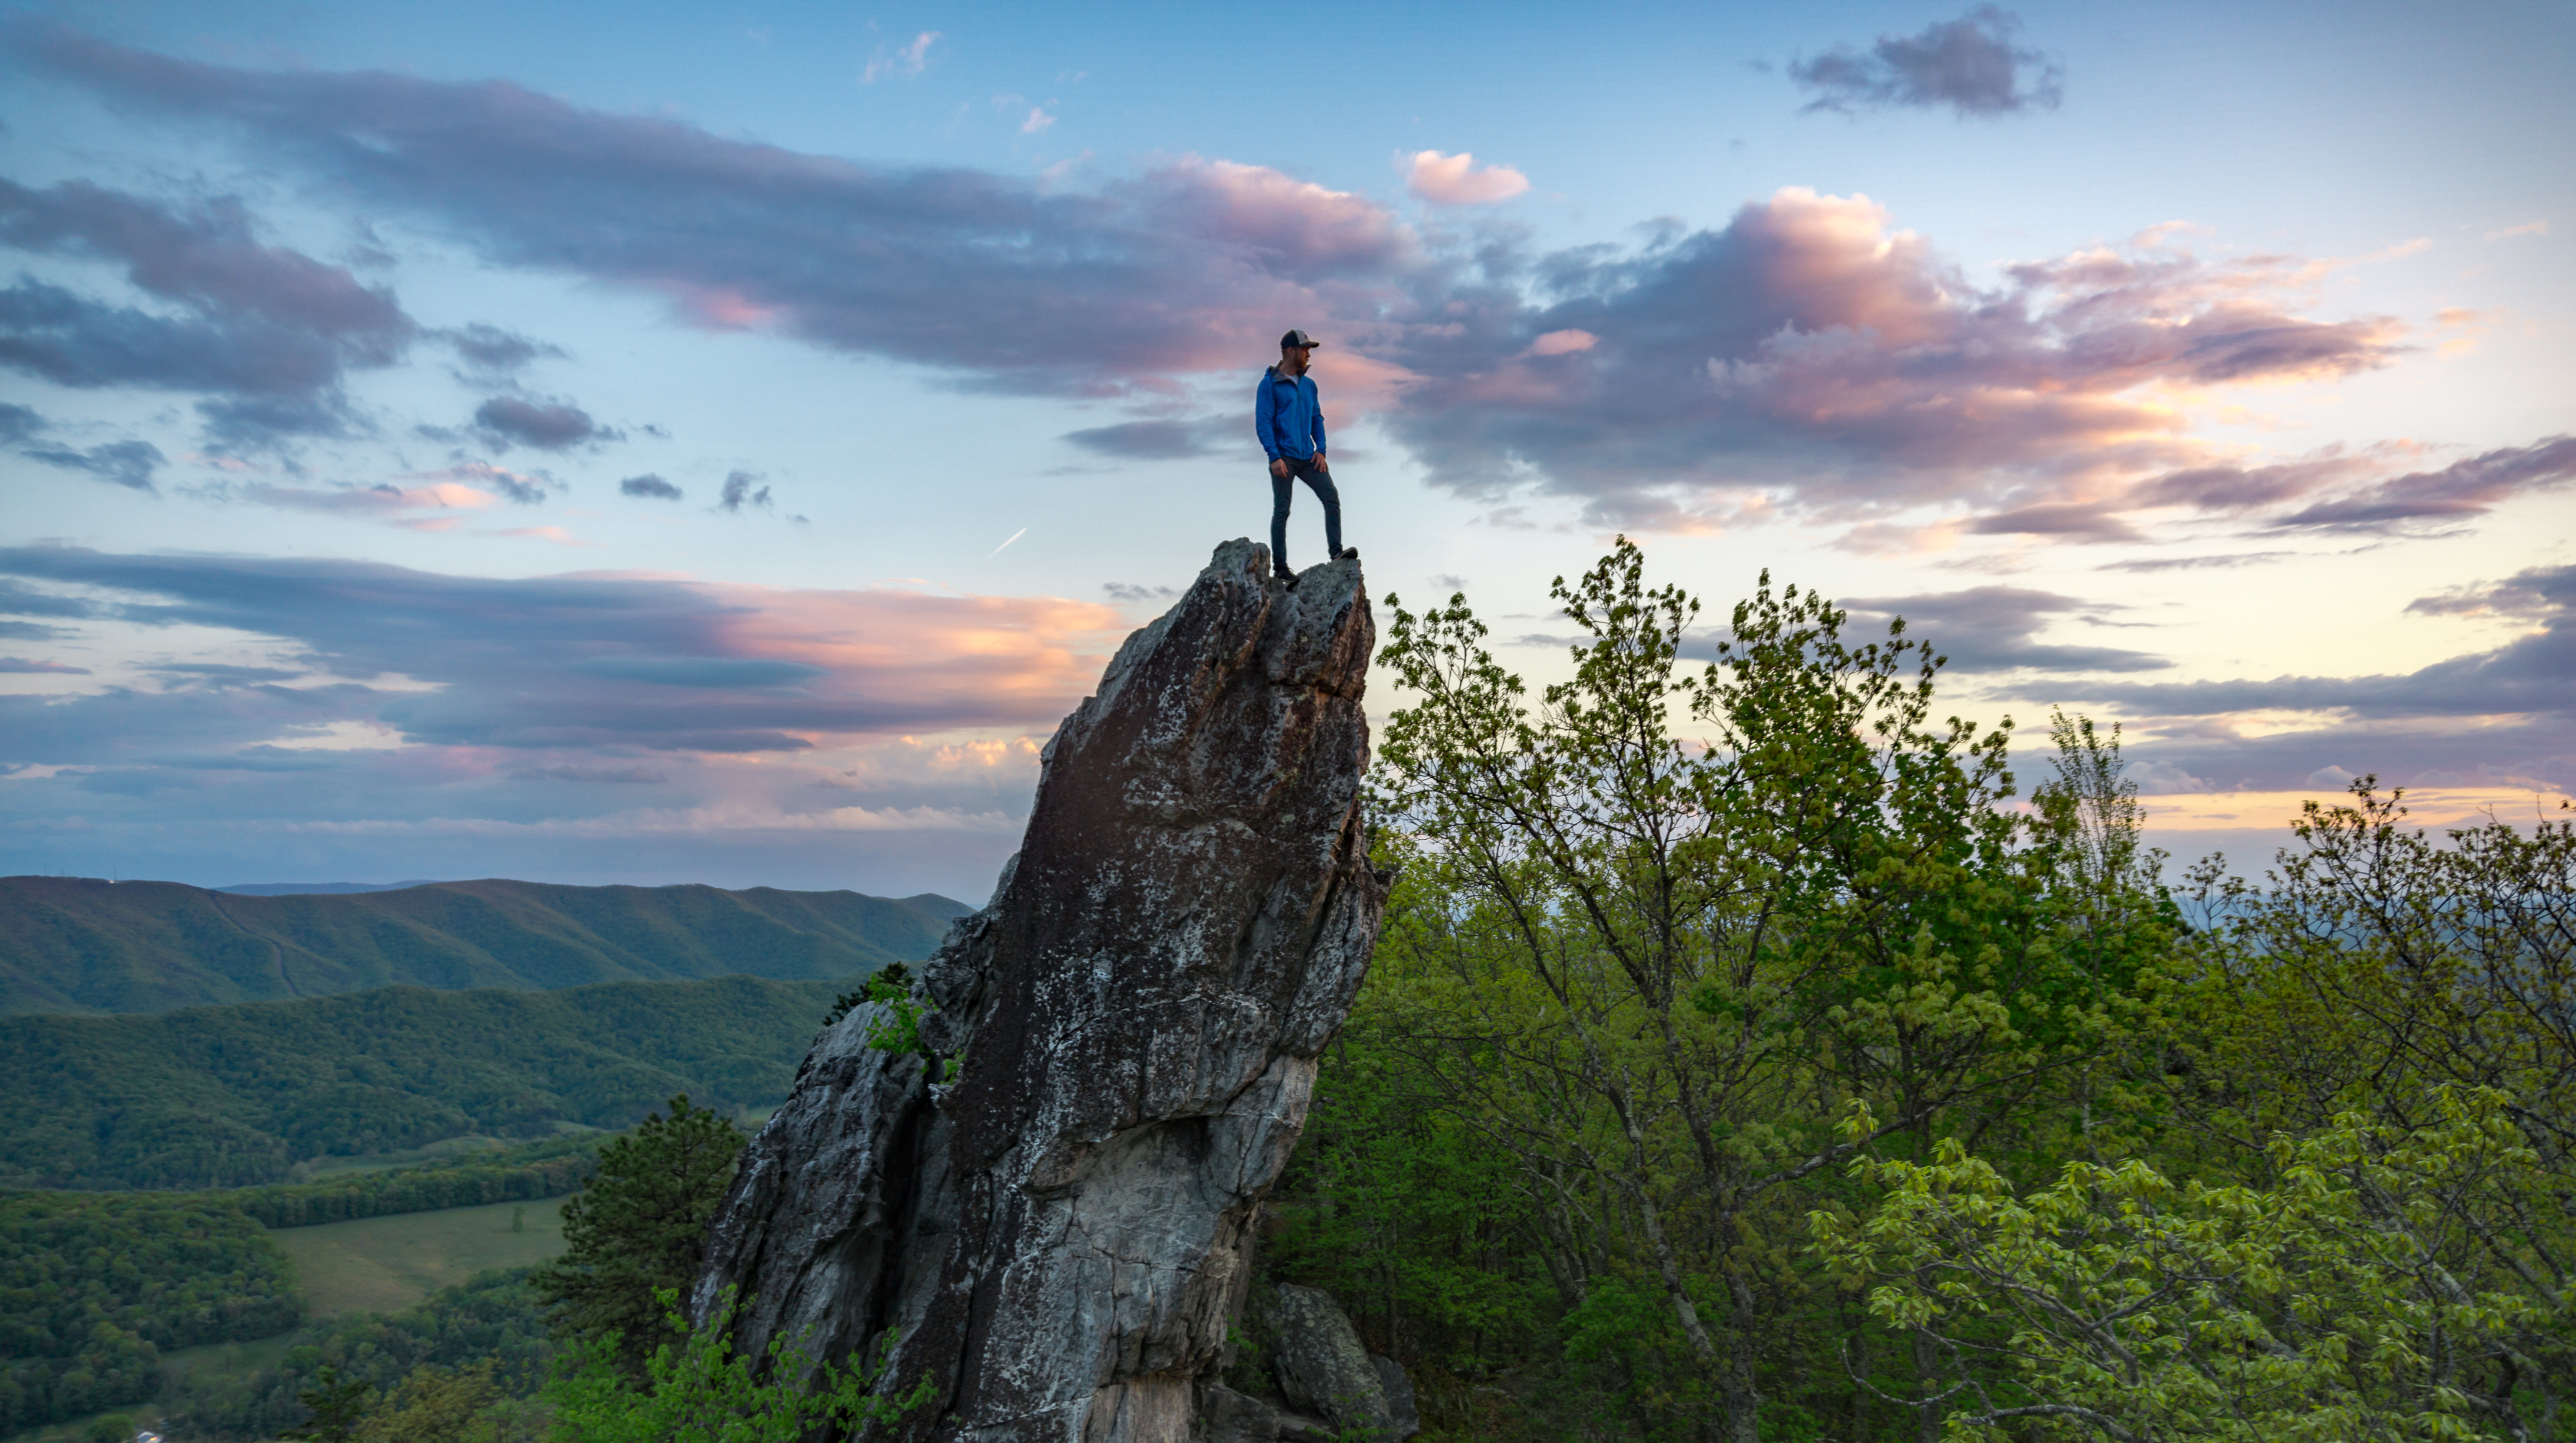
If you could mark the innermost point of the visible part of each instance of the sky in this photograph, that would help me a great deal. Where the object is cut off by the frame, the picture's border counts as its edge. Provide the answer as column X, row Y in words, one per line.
column 718, row 442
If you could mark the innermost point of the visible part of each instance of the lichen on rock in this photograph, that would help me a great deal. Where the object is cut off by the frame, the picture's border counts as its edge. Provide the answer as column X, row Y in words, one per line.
column 1047, row 1207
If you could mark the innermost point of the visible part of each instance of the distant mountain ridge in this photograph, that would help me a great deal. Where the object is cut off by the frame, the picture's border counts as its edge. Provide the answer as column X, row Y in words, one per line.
column 318, row 889
column 83, row 945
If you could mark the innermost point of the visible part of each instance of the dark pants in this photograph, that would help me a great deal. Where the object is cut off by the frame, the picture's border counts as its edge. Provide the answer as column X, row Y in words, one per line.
column 1319, row 481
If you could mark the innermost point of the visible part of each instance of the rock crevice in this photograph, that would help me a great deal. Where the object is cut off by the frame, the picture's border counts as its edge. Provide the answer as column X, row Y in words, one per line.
column 1049, row 1213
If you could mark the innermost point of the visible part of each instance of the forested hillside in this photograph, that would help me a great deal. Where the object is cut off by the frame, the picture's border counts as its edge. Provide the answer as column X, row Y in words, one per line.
column 81, row 945
column 97, row 1287
column 236, row 1096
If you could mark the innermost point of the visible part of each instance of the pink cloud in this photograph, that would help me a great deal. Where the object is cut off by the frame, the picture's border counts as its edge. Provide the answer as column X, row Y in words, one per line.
column 1457, row 180
column 384, row 502
column 1813, row 349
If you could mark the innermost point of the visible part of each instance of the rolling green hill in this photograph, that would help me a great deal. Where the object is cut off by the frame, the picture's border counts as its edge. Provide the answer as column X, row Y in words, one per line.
column 235, row 1096
column 81, row 945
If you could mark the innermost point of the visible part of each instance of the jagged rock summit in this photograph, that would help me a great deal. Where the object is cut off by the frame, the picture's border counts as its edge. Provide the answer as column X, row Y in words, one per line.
column 1047, row 1205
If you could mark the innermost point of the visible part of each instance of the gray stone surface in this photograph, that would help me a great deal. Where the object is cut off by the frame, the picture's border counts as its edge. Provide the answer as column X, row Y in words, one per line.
column 1324, row 1369
column 1052, row 1225
column 1399, row 1396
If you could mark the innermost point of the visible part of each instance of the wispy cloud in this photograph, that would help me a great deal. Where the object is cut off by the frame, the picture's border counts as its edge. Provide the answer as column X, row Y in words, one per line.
column 1995, row 628
column 903, row 61
column 2503, row 715
column 561, row 661
column 266, row 328
column 2529, row 227
column 119, row 463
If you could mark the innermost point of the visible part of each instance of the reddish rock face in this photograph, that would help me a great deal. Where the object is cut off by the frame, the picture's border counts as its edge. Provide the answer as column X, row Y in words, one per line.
column 1052, row 1223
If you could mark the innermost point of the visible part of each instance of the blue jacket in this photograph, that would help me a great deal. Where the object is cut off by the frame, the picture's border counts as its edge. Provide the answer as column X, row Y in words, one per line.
column 1287, row 416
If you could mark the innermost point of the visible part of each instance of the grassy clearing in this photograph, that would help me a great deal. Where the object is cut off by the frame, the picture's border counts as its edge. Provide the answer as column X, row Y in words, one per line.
column 389, row 1263
column 217, row 1358
column 321, row 1169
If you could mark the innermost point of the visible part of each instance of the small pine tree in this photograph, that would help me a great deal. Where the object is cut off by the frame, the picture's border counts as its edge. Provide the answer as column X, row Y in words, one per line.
column 336, row 1408
column 639, row 1228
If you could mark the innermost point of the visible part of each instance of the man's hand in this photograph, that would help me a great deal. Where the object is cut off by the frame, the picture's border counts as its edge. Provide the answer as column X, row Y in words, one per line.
column 1323, row 465
column 1279, row 468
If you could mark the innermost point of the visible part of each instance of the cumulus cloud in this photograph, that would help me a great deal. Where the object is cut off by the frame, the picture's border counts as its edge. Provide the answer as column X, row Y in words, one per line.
column 1808, row 345
column 547, row 426
column 1458, row 180
column 649, row 484
column 1995, row 628
column 1969, row 65
column 738, row 494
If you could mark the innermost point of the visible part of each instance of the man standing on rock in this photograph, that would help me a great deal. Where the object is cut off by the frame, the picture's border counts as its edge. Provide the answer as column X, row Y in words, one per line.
column 1289, row 419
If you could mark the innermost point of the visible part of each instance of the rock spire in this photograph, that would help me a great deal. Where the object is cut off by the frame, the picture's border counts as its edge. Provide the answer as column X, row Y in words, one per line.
column 1047, row 1206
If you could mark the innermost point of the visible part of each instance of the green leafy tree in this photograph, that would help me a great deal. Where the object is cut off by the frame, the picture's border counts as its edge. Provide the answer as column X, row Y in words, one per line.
column 1664, row 922
column 2381, row 962
column 451, row 1405
column 696, row 1389
column 2339, row 1304
column 639, row 1228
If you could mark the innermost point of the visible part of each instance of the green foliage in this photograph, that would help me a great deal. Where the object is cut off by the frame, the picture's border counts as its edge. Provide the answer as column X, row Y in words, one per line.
column 2341, row 1303
column 695, row 1389
column 888, row 982
column 92, row 1289
column 493, row 1318
column 1658, row 925
column 334, row 1408
column 71, row 944
column 234, row 1096
column 638, row 1230
column 2381, row 962
column 451, row 1405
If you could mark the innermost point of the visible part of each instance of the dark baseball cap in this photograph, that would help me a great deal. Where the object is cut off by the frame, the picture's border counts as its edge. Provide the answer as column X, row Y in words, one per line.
column 1295, row 338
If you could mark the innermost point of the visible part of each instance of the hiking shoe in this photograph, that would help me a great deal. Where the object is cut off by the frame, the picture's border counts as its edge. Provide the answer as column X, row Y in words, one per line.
column 1282, row 573
column 1349, row 553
